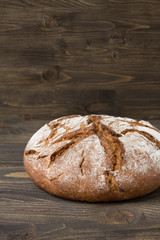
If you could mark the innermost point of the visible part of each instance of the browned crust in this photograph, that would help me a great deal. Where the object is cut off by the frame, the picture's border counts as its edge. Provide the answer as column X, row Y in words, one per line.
column 30, row 152
column 115, row 154
column 75, row 137
column 147, row 135
column 43, row 182
column 135, row 124
column 82, row 162
column 108, row 139
column 113, row 148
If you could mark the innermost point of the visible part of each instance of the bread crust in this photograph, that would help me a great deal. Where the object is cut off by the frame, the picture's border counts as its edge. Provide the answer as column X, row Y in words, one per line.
column 95, row 158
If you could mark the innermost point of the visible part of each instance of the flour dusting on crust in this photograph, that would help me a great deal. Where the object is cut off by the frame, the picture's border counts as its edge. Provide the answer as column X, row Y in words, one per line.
column 151, row 131
column 95, row 154
column 38, row 137
column 141, row 154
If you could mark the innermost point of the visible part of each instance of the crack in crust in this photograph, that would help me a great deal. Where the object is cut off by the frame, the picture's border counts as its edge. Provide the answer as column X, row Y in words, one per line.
column 108, row 139
column 81, row 164
column 75, row 138
column 110, row 179
column 30, row 152
column 113, row 148
column 143, row 125
column 59, row 152
column 84, row 132
column 53, row 125
column 42, row 156
column 57, row 178
column 147, row 135
column 134, row 124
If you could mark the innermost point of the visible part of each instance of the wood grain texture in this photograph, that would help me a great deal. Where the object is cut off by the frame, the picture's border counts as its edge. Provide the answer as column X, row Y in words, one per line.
column 61, row 57
column 28, row 212
column 87, row 56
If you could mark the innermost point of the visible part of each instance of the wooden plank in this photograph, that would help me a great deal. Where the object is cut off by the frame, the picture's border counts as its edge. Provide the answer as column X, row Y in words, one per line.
column 74, row 57
column 45, row 104
column 54, row 55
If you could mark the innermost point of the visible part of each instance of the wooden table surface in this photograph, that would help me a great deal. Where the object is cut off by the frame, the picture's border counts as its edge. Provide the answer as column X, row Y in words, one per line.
column 28, row 212
column 61, row 57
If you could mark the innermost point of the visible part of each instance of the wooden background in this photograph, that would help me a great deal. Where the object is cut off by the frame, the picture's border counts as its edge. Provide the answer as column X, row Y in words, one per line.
column 85, row 56
column 61, row 57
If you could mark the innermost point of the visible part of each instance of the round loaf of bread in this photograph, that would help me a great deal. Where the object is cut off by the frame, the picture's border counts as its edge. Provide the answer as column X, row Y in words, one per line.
column 95, row 158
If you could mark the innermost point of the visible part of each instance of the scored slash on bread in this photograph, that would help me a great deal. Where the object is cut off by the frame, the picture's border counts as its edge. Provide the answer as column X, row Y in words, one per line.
column 95, row 158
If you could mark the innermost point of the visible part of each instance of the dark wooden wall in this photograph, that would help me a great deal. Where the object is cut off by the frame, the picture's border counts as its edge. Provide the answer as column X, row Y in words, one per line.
column 79, row 57
column 60, row 57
